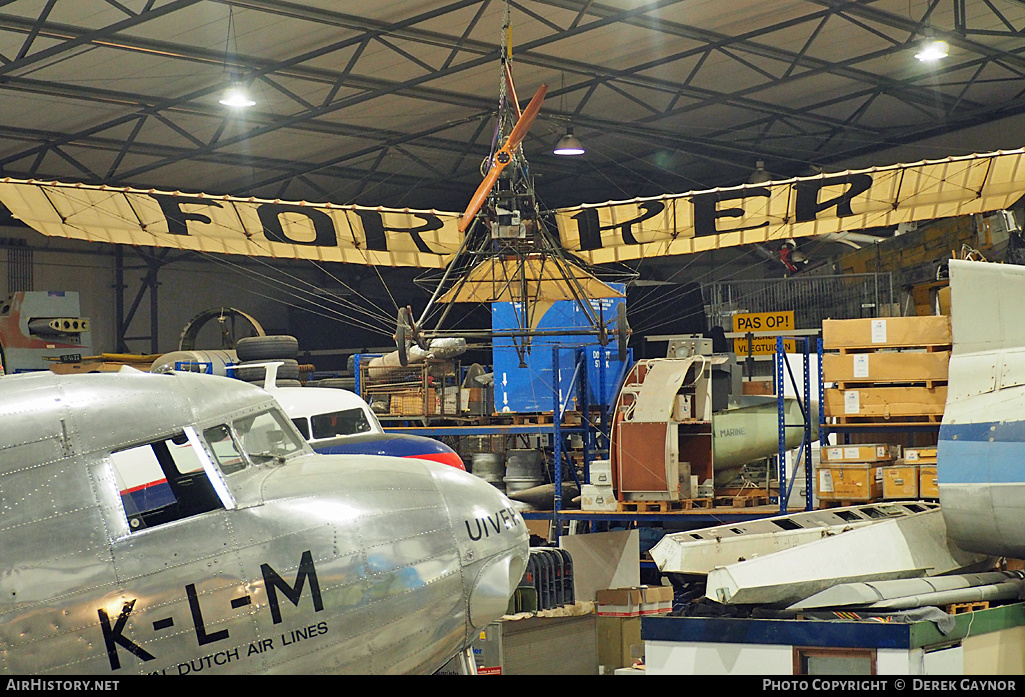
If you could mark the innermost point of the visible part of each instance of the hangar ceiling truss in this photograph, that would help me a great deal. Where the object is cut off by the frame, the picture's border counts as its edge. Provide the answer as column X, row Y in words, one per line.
column 391, row 103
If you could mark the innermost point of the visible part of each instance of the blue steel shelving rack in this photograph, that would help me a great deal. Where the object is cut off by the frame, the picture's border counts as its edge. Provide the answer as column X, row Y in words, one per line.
column 805, row 448
column 560, row 402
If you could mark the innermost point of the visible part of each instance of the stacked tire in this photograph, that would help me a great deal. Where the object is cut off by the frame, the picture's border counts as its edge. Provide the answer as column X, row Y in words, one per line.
column 254, row 351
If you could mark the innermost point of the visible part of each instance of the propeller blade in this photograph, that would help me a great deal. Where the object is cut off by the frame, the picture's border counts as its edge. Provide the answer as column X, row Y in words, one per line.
column 481, row 194
column 519, row 131
column 503, row 157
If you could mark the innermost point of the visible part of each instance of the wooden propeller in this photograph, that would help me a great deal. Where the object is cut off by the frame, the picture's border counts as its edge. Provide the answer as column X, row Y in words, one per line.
column 503, row 157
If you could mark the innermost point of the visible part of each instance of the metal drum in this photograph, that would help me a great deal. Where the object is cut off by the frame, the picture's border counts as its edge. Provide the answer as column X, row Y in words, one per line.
column 524, row 470
column 490, row 467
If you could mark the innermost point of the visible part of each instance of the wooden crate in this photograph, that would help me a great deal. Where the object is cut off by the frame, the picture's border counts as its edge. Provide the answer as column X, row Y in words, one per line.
column 884, row 403
column 928, row 488
column 849, row 482
column 931, row 330
column 921, row 455
column 860, row 453
column 886, row 367
column 901, row 481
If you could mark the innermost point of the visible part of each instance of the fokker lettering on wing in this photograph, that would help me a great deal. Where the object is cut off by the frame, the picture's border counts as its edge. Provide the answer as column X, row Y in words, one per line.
column 670, row 224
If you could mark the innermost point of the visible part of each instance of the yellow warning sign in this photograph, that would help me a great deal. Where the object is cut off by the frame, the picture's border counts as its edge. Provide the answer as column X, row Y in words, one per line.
column 763, row 322
column 763, row 346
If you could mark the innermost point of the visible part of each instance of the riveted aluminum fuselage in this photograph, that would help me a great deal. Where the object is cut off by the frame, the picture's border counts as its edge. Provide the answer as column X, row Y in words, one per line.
column 980, row 467
column 313, row 563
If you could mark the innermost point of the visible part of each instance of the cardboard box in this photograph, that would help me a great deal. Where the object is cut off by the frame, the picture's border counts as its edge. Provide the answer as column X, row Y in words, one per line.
column 886, row 366
column 886, row 402
column 928, row 488
column 601, row 472
column 758, row 387
column 656, row 600
column 932, row 330
column 943, row 300
column 872, row 452
column 616, row 637
column 634, row 601
column 849, row 482
column 900, row 481
column 443, row 401
column 618, row 602
column 474, row 400
column 598, row 498
column 920, row 455
column 406, row 403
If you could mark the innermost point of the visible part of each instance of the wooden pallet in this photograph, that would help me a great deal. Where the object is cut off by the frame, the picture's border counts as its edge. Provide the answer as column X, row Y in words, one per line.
column 928, row 348
column 958, row 608
column 904, row 420
column 741, row 501
column 663, row 506
column 570, row 418
column 868, row 385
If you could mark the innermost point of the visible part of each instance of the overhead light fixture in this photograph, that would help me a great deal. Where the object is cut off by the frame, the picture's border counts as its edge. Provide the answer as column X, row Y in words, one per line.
column 569, row 144
column 932, row 50
column 236, row 95
column 759, row 176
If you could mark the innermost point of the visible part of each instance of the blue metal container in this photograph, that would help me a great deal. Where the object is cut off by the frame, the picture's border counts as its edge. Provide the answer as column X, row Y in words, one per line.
column 529, row 388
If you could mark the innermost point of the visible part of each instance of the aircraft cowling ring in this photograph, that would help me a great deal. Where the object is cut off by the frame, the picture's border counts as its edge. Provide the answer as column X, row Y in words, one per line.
column 187, row 340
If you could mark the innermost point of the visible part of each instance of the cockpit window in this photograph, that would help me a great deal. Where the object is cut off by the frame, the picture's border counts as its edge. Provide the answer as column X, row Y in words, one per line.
column 162, row 481
column 226, row 453
column 267, row 436
column 303, row 424
column 340, row 423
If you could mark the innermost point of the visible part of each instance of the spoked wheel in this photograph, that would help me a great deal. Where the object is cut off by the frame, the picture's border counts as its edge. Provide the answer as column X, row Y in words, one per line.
column 407, row 331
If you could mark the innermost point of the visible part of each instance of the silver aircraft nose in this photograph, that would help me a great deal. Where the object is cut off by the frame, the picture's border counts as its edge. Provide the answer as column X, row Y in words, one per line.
column 492, row 539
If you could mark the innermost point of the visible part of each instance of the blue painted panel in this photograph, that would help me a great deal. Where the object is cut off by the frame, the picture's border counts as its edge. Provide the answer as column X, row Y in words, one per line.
column 147, row 498
column 529, row 388
column 981, row 453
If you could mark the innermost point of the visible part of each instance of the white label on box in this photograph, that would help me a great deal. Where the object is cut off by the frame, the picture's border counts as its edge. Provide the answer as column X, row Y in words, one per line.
column 879, row 331
column 834, row 454
column 683, row 411
column 851, row 453
column 911, row 455
column 826, row 481
column 861, row 365
column 851, row 402
column 881, row 452
column 879, row 474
